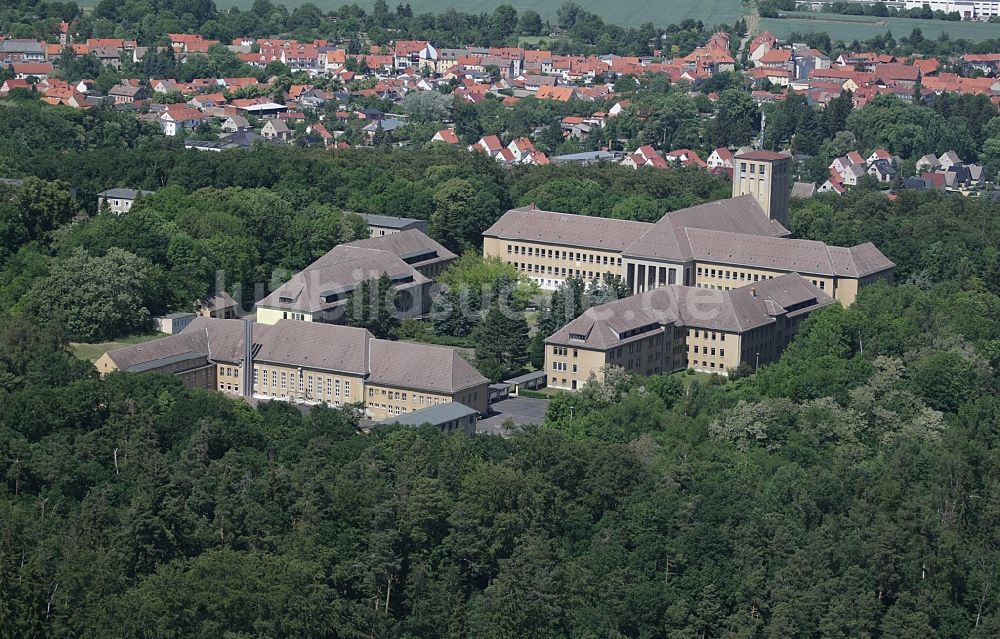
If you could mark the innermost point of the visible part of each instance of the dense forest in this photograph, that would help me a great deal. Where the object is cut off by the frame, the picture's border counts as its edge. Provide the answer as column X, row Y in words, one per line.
column 848, row 490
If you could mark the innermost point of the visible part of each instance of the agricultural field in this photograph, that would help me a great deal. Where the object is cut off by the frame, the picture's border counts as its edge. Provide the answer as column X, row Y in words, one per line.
column 848, row 28
column 626, row 13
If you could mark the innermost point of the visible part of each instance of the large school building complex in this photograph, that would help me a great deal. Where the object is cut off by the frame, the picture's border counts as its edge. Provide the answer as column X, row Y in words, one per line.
column 714, row 286
column 721, row 245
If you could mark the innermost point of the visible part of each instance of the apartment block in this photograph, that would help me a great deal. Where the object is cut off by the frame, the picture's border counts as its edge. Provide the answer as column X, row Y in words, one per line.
column 676, row 327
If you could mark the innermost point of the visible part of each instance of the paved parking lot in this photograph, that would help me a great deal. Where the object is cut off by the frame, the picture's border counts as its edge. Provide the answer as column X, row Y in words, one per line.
column 520, row 410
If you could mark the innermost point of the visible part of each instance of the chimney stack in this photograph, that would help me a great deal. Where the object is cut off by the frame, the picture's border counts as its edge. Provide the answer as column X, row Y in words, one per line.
column 753, row 292
column 246, row 367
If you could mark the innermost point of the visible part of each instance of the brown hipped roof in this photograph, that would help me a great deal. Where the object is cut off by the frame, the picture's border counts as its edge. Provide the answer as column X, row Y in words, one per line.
column 419, row 366
column 339, row 270
column 785, row 254
column 534, row 225
column 406, row 245
column 318, row 346
column 312, row 345
column 763, row 155
column 734, row 311
column 667, row 240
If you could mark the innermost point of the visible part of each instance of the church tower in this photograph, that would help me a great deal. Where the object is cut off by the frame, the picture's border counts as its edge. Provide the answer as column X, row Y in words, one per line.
column 766, row 176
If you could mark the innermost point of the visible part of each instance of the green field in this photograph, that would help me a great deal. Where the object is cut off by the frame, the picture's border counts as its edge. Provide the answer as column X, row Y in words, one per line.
column 93, row 352
column 623, row 12
column 848, row 28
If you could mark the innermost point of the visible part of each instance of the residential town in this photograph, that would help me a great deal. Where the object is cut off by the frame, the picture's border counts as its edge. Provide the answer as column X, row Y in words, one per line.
column 327, row 97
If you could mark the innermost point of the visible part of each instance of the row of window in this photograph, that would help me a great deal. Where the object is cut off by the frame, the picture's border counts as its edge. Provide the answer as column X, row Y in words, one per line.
column 329, row 386
column 555, row 270
column 562, row 350
column 731, row 275
column 561, row 366
column 556, row 254
column 390, row 410
column 705, row 351
column 704, row 364
column 760, row 169
column 402, row 396
column 821, row 284
column 694, row 332
column 294, row 316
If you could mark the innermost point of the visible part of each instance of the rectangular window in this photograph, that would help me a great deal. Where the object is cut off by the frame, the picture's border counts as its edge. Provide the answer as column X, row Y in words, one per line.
column 347, row 388
column 284, row 379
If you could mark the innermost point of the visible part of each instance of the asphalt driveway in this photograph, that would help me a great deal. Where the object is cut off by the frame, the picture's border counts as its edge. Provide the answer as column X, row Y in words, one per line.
column 520, row 410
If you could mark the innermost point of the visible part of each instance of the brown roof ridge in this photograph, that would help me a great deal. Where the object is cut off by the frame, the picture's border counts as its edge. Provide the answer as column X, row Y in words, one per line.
column 736, row 316
column 850, row 255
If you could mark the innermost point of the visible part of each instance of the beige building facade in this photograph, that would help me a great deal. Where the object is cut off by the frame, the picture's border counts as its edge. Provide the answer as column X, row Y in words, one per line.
column 678, row 327
column 309, row 363
column 719, row 245
column 767, row 176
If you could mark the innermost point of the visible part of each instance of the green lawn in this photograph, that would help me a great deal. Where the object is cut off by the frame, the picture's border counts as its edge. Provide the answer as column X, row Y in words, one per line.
column 848, row 28
column 624, row 12
column 93, row 352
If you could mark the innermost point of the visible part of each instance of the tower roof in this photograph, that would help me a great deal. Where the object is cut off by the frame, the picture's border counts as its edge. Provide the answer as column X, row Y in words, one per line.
column 762, row 155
